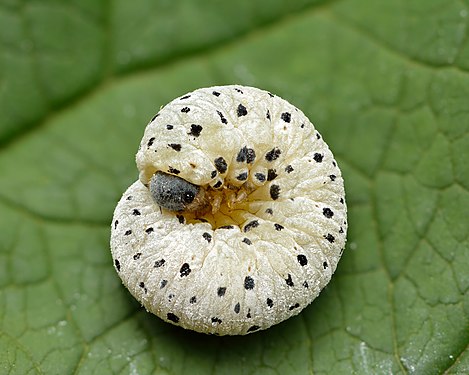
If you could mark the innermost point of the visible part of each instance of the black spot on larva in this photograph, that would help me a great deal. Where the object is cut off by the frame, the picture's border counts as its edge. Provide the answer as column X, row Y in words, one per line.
column 242, row 176
column 295, row 306
column 222, row 118
column 341, row 230
column 129, row 198
column 332, row 177
column 248, row 315
column 239, row 90
column 216, row 93
column 289, row 169
column 334, row 164
column 221, row 291
column 248, row 283
column 135, row 212
column 221, row 165
column 246, row 154
column 302, row 126
column 185, row 109
column 253, row 328
column 268, row 115
column 329, row 237
column 302, row 259
column 305, row 284
column 273, row 154
column 250, row 156
column 269, row 211
column 173, row 170
column 180, row 219
column 318, row 157
column 128, row 232
column 216, row 320
column 250, row 225
column 237, row 308
column 115, row 224
column 285, row 116
column 271, row 174
column 193, row 299
column 218, row 184
column 185, row 97
column 169, row 127
column 172, row 317
column 274, row 192
column 289, row 281
column 270, row 303
column 185, row 270
column 213, row 174
column 207, row 236
column 159, row 263
column 170, row 297
column 271, row 95
column 318, row 136
column 150, row 141
column 117, row 264
column 341, row 200
column 327, row 212
column 226, row 227
column 247, row 241
column 241, row 111
column 278, row 227
column 163, row 283
column 155, row 116
column 175, row 146
column 149, row 230
column 142, row 285
column 137, row 256
column 325, row 265
column 195, row 130
column 260, row 177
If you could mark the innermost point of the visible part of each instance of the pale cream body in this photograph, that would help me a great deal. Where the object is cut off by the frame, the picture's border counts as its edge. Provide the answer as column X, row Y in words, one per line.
column 287, row 234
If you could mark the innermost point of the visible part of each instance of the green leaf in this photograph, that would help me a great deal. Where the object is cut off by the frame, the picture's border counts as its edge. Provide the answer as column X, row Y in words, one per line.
column 386, row 83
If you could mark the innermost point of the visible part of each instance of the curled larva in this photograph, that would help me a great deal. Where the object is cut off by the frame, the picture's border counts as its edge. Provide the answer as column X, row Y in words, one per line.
column 238, row 218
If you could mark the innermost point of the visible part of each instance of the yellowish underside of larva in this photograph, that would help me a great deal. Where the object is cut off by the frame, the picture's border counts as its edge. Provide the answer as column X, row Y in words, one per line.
column 265, row 247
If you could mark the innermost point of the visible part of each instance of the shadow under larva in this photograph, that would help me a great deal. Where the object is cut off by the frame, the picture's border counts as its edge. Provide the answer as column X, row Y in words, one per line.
column 238, row 218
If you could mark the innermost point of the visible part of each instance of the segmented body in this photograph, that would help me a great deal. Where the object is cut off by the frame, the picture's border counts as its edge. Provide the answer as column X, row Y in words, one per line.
column 272, row 232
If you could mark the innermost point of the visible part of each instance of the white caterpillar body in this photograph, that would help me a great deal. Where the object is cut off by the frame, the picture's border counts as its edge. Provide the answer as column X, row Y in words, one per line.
column 275, row 228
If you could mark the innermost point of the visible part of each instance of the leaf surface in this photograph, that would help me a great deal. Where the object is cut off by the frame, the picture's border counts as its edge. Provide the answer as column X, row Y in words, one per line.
column 386, row 84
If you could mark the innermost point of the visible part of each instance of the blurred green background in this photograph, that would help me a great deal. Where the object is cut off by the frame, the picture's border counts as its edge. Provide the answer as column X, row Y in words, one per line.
column 385, row 82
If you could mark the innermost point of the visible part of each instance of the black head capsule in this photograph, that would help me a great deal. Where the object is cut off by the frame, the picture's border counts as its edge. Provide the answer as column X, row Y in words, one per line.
column 176, row 194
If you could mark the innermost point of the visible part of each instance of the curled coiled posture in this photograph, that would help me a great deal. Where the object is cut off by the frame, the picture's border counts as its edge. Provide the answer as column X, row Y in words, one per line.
column 238, row 218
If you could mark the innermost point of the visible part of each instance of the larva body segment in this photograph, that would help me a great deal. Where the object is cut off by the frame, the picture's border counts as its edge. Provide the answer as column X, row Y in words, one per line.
column 272, row 227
